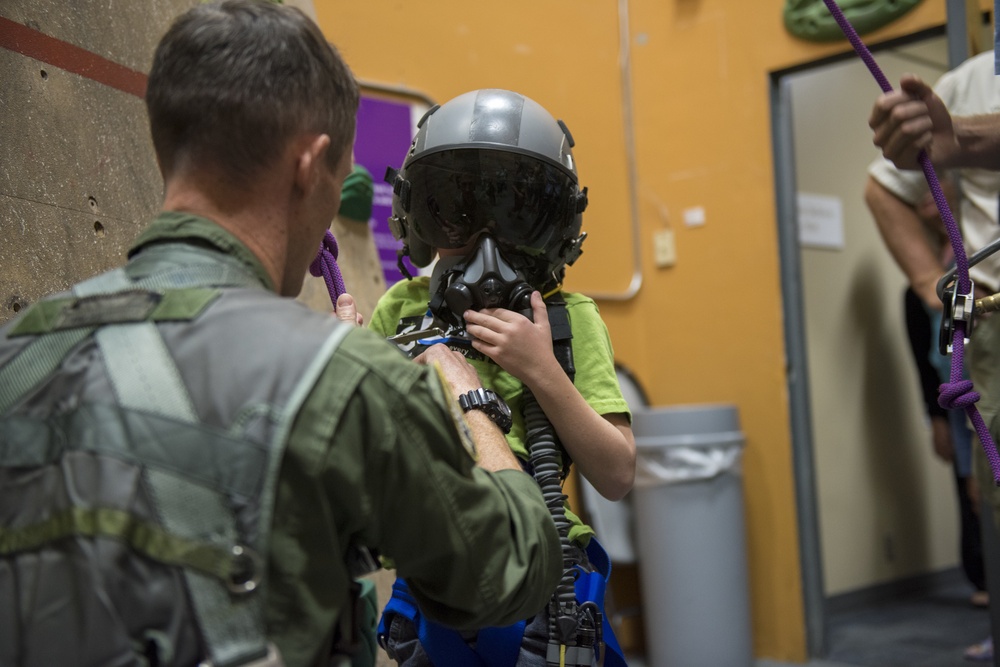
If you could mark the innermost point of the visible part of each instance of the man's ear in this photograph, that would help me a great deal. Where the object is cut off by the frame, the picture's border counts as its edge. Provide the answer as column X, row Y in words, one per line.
column 309, row 161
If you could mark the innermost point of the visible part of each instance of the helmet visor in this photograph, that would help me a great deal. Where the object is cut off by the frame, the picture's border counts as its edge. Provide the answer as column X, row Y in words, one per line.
column 524, row 202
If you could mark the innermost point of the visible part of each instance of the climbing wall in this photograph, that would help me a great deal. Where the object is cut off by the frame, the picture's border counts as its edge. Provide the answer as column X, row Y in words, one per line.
column 77, row 174
column 78, row 177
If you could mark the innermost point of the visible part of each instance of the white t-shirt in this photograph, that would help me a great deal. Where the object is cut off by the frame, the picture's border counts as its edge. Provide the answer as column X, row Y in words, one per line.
column 968, row 90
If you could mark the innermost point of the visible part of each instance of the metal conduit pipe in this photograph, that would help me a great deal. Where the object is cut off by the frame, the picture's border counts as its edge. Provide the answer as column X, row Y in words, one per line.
column 625, row 67
column 399, row 91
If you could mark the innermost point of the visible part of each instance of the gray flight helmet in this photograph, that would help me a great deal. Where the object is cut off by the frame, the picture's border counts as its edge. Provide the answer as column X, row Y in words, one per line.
column 491, row 161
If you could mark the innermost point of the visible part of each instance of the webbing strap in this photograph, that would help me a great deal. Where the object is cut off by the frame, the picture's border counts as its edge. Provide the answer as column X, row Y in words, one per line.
column 43, row 355
column 40, row 358
column 35, row 362
column 142, row 536
column 495, row 647
column 499, row 647
column 142, row 371
column 145, row 378
column 591, row 587
column 232, row 626
column 104, row 283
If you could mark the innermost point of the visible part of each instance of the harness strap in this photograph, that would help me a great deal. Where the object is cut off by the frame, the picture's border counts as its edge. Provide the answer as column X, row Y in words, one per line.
column 145, row 378
column 495, row 647
column 562, row 348
column 42, row 356
column 142, row 536
column 61, row 314
column 562, row 333
column 142, row 371
column 499, row 647
column 591, row 587
column 35, row 362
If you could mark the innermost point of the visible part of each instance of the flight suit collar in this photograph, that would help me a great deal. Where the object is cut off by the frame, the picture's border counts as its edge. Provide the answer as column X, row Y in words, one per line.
column 186, row 227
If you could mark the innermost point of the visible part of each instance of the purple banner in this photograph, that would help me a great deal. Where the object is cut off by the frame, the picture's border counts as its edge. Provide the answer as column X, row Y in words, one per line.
column 384, row 136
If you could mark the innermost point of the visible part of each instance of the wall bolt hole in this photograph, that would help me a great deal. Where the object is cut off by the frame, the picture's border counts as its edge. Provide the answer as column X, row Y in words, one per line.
column 16, row 303
column 44, row 74
column 98, row 228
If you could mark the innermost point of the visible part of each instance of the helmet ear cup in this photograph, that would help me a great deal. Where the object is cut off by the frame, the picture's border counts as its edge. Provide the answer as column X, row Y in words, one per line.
column 421, row 254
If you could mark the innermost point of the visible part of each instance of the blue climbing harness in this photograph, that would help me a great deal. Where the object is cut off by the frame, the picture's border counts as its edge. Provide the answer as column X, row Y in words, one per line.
column 499, row 647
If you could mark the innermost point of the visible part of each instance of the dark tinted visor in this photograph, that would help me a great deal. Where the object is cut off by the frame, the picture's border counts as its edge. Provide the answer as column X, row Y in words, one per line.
column 455, row 195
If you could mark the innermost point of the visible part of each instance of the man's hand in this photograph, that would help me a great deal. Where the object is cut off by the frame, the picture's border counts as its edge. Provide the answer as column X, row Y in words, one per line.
column 910, row 120
column 347, row 310
column 521, row 347
column 457, row 370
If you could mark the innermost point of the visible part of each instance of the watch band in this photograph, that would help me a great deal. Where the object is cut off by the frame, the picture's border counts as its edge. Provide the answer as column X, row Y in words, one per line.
column 489, row 402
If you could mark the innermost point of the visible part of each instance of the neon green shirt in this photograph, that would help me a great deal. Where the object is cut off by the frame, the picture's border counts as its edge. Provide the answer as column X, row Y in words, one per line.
column 593, row 358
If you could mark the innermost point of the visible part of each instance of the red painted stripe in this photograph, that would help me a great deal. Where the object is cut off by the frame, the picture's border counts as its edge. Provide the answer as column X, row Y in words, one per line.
column 34, row 44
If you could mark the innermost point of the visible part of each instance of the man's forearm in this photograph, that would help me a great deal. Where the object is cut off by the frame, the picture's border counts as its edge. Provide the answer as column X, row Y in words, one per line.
column 492, row 449
column 904, row 236
column 978, row 139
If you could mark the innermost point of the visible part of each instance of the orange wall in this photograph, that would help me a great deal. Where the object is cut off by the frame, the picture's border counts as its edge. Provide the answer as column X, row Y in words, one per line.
column 710, row 328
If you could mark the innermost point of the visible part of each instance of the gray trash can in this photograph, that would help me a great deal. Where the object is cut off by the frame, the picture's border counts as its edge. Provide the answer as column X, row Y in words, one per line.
column 691, row 536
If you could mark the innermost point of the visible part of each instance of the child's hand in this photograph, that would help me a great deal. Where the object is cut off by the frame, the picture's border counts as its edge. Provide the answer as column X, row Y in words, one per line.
column 521, row 347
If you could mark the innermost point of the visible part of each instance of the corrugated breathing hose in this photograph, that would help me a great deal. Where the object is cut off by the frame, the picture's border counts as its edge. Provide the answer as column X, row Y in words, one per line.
column 565, row 615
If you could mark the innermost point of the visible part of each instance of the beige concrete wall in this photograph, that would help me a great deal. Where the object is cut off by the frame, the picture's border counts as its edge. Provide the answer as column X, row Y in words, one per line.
column 78, row 178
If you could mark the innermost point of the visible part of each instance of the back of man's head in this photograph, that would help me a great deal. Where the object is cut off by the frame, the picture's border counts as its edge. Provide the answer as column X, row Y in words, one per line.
column 232, row 82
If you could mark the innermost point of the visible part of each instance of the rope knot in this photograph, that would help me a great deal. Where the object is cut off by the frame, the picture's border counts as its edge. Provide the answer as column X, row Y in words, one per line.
column 325, row 264
column 957, row 395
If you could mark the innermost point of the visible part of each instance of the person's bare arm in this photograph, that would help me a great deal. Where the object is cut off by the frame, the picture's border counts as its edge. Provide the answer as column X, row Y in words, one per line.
column 979, row 142
column 903, row 233
column 491, row 445
column 602, row 447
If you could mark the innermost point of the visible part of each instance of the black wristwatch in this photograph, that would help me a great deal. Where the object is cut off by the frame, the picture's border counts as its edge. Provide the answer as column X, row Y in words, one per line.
column 489, row 402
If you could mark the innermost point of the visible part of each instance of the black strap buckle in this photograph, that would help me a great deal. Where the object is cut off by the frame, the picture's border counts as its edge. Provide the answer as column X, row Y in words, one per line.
column 957, row 308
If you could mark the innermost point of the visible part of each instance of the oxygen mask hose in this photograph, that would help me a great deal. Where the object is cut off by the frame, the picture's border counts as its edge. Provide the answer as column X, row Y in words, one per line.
column 543, row 451
column 956, row 393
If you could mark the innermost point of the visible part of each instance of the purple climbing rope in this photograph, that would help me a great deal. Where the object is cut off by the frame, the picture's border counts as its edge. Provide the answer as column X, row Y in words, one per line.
column 325, row 264
column 956, row 393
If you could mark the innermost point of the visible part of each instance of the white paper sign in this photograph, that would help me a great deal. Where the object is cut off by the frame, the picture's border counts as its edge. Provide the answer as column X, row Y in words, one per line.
column 821, row 221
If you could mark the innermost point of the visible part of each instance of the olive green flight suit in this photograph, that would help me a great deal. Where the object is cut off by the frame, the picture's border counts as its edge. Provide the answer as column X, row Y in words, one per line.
column 390, row 467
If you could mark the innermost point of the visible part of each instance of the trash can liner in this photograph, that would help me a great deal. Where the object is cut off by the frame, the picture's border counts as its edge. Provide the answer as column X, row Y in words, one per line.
column 683, row 459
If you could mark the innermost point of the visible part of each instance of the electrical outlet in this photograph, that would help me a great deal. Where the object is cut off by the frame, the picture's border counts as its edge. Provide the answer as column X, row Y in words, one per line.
column 664, row 250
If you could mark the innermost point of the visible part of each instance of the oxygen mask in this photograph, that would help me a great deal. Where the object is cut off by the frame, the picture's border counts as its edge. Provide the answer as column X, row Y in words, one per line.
column 482, row 279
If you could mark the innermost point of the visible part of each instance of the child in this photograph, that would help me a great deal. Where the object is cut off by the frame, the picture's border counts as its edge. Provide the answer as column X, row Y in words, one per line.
column 490, row 186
